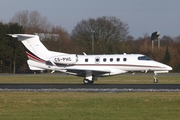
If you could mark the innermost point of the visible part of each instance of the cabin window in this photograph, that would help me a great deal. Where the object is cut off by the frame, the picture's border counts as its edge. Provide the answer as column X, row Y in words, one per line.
column 97, row 60
column 104, row 59
column 124, row 59
column 86, row 60
column 111, row 59
column 118, row 59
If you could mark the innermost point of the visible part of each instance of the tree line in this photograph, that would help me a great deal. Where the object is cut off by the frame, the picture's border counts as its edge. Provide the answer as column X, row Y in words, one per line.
column 102, row 35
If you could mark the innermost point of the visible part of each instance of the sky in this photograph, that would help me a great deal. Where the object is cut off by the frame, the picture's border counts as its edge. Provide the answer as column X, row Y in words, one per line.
column 142, row 16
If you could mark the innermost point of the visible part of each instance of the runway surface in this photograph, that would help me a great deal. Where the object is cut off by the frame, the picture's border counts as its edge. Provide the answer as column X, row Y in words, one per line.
column 91, row 88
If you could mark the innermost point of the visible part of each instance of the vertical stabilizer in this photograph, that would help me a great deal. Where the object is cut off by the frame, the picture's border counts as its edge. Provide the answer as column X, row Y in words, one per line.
column 33, row 45
column 39, row 56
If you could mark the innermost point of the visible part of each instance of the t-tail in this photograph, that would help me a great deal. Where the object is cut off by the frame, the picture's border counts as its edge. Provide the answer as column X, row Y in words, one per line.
column 37, row 53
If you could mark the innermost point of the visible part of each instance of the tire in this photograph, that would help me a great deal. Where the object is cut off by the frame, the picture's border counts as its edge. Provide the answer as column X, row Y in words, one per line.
column 155, row 80
column 86, row 81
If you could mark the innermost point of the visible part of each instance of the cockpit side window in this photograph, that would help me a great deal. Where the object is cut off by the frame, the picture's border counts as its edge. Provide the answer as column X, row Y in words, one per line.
column 144, row 58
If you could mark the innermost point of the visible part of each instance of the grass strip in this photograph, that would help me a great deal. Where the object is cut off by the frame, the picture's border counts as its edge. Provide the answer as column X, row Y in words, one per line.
column 89, row 105
column 120, row 79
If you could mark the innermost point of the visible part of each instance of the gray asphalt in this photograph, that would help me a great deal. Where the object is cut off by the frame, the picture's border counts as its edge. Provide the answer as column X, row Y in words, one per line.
column 92, row 87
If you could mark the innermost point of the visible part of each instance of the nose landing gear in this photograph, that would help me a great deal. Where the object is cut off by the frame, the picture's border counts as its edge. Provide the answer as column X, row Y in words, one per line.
column 155, row 79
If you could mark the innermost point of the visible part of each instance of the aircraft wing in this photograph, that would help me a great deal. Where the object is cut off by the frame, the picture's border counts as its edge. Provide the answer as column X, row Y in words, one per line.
column 83, row 71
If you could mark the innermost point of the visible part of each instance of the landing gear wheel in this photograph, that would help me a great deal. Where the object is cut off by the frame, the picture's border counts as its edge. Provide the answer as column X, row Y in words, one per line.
column 86, row 81
column 155, row 80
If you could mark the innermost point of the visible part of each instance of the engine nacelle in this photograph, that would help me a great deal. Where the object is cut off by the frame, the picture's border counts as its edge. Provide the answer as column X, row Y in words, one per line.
column 65, row 59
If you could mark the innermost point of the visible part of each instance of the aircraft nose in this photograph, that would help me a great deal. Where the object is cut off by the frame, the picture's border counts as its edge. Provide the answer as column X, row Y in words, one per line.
column 168, row 67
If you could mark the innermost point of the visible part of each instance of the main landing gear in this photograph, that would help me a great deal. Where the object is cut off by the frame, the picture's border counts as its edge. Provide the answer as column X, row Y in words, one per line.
column 89, row 78
column 86, row 81
column 155, row 79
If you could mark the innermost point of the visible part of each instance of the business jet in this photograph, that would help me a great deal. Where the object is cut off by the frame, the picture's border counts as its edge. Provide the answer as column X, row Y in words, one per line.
column 90, row 67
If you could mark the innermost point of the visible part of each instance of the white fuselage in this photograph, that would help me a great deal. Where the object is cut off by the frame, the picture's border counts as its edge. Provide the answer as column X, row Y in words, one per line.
column 118, row 64
column 88, row 66
column 110, row 64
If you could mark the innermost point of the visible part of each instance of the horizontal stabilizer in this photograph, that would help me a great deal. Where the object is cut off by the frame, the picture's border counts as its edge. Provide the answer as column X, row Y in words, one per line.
column 22, row 37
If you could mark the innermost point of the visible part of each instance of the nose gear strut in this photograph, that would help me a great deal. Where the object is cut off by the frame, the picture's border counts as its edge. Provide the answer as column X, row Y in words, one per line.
column 155, row 79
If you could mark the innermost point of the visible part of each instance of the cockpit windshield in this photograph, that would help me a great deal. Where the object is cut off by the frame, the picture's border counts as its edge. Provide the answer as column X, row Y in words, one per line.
column 144, row 58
